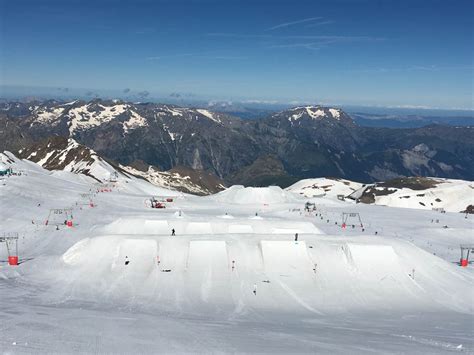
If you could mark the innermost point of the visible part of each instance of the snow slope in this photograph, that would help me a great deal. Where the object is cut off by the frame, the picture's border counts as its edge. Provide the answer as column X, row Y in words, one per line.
column 448, row 194
column 326, row 187
column 452, row 195
column 254, row 195
column 227, row 282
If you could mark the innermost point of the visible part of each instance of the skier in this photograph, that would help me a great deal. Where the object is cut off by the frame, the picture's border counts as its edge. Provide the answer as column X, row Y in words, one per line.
column 173, row 232
column 296, row 237
column 126, row 260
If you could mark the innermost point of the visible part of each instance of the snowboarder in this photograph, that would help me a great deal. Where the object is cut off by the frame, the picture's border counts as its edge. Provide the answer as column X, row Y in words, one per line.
column 173, row 232
column 296, row 237
column 126, row 260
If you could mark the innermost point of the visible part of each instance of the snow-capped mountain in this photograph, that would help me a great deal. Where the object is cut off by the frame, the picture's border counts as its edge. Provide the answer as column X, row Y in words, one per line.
column 59, row 153
column 299, row 114
column 180, row 178
column 303, row 142
column 82, row 116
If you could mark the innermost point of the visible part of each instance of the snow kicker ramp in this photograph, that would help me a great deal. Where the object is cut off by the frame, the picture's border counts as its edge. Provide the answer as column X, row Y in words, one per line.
column 317, row 275
column 198, row 228
column 286, row 257
column 137, row 226
column 208, row 274
column 290, row 272
column 183, row 226
column 116, row 267
column 240, row 228
column 239, row 194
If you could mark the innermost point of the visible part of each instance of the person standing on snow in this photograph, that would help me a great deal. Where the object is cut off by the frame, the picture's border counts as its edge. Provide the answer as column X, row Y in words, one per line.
column 173, row 232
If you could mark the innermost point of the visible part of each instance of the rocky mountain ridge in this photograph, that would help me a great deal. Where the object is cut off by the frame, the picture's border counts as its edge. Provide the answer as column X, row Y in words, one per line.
column 303, row 142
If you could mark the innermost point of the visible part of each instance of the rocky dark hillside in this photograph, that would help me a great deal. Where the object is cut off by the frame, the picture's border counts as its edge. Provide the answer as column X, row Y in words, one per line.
column 59, row 153
column 298, row 143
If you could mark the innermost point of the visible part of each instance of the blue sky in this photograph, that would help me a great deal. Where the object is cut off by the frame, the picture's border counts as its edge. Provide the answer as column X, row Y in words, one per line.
column 387, row 53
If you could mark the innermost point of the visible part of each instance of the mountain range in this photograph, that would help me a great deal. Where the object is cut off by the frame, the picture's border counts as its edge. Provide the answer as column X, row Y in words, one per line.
column 281, row 148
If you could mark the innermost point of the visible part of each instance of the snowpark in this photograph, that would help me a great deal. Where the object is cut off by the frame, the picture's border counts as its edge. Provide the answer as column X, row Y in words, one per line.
column 248, row 270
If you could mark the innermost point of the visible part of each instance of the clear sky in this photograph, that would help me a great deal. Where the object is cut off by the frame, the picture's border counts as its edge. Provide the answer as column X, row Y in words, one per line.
column 393, row 53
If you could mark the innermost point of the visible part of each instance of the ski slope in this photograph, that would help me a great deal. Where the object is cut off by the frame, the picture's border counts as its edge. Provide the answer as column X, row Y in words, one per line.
column 233, row 278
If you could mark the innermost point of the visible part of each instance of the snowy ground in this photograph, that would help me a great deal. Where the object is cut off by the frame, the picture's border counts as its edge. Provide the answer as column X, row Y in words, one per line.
column 232, row 279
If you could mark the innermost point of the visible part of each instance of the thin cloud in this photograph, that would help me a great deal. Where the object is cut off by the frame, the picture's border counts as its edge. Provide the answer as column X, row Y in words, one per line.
column 310, row 45
column 422, row 68
column 316, row 24
column 211, row 55
column 302, row 37
column 292, row 23
column 171, row 56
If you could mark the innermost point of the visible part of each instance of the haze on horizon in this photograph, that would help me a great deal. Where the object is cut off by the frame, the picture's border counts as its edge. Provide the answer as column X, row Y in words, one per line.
column 357, row 52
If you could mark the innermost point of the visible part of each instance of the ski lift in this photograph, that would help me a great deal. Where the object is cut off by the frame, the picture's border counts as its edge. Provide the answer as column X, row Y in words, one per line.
column 350, row 217
column 87, row 200
column 11, row 241
column 113, row 177
column 59, row 216
column 466, row 249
